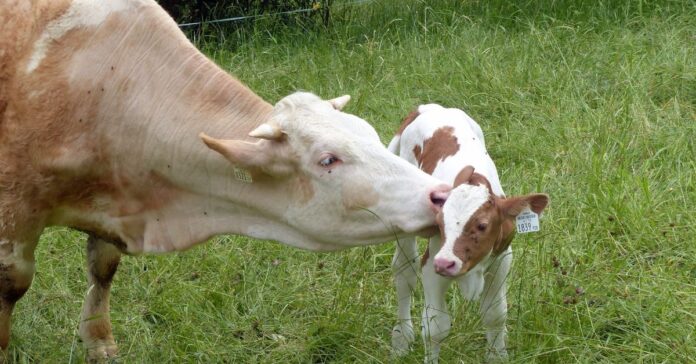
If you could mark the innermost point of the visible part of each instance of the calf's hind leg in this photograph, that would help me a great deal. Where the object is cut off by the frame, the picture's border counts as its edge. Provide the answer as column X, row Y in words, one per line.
column 16, row 274
column 95, row 324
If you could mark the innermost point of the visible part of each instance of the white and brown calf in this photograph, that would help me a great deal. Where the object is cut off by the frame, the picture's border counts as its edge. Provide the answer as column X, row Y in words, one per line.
column 477, row 224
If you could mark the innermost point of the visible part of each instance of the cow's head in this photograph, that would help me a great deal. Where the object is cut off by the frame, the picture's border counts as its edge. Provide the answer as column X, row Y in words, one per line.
column 342, row 185
column 475, row 224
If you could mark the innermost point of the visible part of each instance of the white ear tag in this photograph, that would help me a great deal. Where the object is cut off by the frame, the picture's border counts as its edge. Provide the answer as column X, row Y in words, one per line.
column 527, row 221
column 242, row 174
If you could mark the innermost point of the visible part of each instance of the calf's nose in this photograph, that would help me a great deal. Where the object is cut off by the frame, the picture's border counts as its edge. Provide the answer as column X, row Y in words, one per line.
column 445, row 266
column 438, row 196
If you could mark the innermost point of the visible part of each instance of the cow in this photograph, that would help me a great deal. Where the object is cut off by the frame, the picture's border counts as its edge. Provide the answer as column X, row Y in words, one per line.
column 113, row 123
column 477, row 225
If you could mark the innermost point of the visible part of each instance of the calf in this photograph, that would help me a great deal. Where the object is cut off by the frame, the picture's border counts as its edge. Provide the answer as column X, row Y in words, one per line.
column 477, row 224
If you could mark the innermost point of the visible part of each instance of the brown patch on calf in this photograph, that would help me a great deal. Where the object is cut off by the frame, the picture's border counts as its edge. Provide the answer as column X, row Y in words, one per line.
column 506, row 235
column 437, row 148
column 417, row 153
column 407, row 121
column 474, row 244
column 492, row 227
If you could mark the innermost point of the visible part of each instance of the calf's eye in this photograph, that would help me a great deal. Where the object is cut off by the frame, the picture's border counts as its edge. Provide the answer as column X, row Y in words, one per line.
column 482, row 226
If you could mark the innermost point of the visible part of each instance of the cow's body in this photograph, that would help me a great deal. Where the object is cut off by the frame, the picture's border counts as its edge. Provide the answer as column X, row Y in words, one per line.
column 101, row 106
column 447, row 143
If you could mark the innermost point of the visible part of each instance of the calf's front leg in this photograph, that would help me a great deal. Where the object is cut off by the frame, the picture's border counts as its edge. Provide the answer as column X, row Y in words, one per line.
column 494, row 306
column 436, row 319
column 95, row 324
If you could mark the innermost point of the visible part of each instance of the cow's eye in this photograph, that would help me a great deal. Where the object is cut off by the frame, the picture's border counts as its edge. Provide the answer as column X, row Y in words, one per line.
column 482, row 226
column 328, row 160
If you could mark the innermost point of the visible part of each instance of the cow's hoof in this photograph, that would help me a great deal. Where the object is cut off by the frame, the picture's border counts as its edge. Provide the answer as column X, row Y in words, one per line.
column 402, row 337
column 106, row 354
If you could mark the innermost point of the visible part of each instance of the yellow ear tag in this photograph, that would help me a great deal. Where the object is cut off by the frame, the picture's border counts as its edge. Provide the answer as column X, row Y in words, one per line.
column 242, row 174
column 527, row 221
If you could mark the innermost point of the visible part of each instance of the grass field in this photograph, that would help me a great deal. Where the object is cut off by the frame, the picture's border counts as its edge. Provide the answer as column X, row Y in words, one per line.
column 593, row 103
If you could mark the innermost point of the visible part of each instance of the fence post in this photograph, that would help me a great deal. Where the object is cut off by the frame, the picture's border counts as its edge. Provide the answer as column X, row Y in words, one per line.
column 327, row 12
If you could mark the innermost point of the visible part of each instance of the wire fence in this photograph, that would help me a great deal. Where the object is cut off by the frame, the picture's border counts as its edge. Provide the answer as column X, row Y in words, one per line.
column 316, row 7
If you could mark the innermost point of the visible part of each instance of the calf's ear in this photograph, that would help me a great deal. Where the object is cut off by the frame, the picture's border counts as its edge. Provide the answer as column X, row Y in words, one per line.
column 513, row 206
column 463, row 176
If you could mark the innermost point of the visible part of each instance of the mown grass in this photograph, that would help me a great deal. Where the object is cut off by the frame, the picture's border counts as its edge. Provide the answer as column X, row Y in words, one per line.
column 594, row 104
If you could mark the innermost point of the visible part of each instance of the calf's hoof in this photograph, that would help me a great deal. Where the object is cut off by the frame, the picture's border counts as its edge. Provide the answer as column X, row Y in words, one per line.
column 402, row 337
column 494, row 356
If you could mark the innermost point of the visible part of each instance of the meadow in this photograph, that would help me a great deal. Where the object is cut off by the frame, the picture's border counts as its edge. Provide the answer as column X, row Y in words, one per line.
column 593, row 103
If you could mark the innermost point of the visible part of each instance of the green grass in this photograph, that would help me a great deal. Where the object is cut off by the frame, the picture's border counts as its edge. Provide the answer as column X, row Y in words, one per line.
column 593, row 103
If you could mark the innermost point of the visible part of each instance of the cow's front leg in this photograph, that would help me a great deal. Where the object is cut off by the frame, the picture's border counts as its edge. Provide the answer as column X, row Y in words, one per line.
column 95, row 323
column 405, row 268
column 16, row 274
column 494, row 306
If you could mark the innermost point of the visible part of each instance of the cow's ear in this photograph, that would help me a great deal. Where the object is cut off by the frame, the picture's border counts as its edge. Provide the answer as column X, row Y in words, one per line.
column 513, row 206
column 267, row 131
column 238, row 152
column 339, row 102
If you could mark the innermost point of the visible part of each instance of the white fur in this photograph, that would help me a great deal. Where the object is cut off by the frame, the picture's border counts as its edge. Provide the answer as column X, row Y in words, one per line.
column 266, row 131
column 486, row 281
column 82, row 13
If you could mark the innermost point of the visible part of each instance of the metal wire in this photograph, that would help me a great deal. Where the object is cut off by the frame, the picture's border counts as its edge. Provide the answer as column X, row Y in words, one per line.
column 239, row 18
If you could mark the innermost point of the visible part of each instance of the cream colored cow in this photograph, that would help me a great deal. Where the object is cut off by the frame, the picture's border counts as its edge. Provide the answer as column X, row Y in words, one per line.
column 111, row 122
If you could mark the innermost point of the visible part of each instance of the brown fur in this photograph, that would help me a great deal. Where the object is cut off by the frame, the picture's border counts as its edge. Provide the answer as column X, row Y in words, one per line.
column 102, row 267
column 95, row 324
column 437, row 148
column 463, row 176
column 73, row 131
column 498, row 214
column 407, row 121
column 13, row 284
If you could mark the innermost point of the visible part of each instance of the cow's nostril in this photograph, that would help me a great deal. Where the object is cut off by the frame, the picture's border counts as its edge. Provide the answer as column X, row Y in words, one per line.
column 438, row 198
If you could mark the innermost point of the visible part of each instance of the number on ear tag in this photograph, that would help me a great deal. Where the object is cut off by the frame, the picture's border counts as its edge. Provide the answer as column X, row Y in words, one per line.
column 242, row 174
column 527, row 221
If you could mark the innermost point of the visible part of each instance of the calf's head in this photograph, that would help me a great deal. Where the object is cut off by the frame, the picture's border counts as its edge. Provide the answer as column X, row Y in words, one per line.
column 340, row 185
column 475, row 224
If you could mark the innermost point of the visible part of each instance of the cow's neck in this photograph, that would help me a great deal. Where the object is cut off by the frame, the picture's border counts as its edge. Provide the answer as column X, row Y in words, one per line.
column 205, row 197
column 166, row 190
